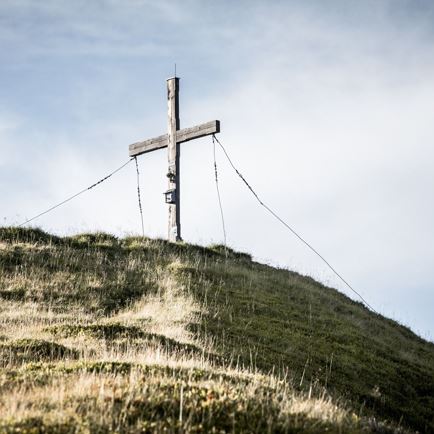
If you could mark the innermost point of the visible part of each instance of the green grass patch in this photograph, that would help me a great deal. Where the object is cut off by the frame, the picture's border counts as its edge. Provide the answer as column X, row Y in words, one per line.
column 98, row 331
column 14, row 234
column 25, row 350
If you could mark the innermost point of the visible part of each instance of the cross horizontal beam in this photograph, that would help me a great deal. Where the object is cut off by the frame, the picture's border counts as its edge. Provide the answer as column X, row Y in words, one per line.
column 183, row 135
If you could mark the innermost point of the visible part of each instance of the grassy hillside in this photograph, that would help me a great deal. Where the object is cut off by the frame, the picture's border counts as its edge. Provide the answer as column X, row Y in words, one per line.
column 99, row 334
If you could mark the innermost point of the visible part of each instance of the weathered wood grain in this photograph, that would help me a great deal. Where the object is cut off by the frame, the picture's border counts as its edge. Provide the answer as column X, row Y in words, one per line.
column 174, row 224
column 148, row 145
column 183, row 135
column 198, row 131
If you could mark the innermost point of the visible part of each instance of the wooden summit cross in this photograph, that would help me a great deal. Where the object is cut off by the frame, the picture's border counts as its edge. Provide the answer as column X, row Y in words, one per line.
column 172, row 140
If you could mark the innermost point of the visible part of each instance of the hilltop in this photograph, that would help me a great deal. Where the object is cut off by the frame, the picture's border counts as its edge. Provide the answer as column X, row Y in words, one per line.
column 100, row 334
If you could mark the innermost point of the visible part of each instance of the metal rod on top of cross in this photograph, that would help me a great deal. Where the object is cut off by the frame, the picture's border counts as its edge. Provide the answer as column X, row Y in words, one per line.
column 172, row 140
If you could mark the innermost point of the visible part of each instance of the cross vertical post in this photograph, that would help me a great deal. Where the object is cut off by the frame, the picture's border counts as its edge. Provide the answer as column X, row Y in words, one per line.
column 174, row 228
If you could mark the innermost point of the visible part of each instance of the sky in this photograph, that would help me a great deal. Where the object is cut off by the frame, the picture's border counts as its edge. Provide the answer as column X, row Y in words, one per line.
column 326, row 107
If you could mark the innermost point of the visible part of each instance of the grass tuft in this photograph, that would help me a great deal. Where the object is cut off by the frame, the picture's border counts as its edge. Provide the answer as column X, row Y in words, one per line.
column 24, row 350
column 99, row 331
column 16, row 235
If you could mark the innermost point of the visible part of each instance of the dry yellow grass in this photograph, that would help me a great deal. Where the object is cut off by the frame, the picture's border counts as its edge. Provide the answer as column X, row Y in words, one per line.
column 74, row 358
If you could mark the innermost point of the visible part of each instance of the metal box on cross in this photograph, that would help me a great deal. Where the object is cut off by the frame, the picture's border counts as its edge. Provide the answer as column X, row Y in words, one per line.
column 170, row 196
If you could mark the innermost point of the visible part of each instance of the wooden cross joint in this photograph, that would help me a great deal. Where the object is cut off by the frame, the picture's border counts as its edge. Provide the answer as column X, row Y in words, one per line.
column 183, row 135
